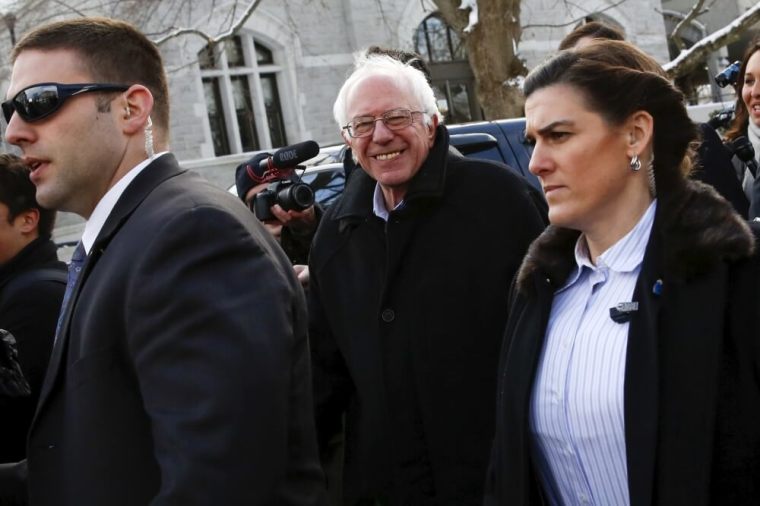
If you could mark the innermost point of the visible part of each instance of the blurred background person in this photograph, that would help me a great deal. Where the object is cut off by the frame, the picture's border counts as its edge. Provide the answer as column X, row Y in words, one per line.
column 627, row 373
column 32, row 283
column 747, row 123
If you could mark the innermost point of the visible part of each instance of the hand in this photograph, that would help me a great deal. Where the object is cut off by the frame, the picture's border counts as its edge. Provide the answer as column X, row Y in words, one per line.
column 302, row 273
column 301, row 222
column 274, row 227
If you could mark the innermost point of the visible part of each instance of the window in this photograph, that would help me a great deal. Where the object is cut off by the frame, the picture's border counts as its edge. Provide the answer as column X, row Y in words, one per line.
column 435, row 41
column 242, row 99
column 452, row 78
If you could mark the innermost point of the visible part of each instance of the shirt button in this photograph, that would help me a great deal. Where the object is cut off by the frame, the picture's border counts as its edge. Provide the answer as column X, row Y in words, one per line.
column 388, row 315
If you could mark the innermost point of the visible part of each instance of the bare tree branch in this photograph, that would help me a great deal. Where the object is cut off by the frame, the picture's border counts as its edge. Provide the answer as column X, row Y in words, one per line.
column 576, row 20
column 70, row 7
column 695, row 54
column 696, row 11
column 209, row 38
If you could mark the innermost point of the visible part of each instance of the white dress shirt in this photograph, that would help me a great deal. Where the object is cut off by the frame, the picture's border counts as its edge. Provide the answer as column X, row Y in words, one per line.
column 577, row 407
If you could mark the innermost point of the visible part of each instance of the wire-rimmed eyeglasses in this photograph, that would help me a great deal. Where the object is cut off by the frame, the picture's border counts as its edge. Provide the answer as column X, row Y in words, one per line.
column 395, row 119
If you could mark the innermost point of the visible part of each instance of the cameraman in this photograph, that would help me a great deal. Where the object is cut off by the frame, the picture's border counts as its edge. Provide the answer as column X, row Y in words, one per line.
column 294, row 230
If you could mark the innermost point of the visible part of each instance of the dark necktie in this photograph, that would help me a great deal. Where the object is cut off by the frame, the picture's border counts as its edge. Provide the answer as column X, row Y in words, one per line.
column 75, row 267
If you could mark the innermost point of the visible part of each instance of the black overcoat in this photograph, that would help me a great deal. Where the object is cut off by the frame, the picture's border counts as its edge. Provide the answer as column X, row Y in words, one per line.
column 692, row 393
column 406, row 322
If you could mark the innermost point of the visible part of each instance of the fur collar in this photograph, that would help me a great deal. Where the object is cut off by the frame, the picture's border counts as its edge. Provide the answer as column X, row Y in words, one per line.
column 695, row 228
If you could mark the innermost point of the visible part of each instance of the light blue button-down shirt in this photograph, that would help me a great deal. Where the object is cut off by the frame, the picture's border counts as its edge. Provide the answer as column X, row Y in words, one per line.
column 577, row 408
column 378, row 204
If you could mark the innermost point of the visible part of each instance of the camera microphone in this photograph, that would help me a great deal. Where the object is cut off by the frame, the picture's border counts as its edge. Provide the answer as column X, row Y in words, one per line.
column 290, row 156
column 742, row 148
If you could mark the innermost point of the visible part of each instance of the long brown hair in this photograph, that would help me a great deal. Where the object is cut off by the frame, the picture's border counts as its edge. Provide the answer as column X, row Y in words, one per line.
column 741, row 115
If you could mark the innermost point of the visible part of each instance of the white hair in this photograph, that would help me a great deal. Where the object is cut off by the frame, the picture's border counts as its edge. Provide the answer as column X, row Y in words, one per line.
column 403, row 74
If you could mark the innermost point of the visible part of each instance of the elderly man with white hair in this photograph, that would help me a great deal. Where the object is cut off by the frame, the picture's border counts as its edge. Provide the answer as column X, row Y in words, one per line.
column 410, row 275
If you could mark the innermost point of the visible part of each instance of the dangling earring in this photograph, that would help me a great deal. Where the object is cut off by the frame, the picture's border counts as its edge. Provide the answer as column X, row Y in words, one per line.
column 635, row 163
column 149, row 139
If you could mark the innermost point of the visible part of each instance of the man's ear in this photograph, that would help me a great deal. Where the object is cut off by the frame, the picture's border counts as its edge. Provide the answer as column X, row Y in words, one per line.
column 27, row 221
column 346, row 137
column 136, row 107
column 640, row 130
column 432, row 127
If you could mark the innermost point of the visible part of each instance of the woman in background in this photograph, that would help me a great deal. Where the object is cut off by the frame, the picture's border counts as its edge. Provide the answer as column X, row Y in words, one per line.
column 747, row 123
column 629, row 370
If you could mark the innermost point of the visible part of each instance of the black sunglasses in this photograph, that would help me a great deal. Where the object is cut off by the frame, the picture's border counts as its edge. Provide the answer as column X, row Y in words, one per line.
column 41, row 100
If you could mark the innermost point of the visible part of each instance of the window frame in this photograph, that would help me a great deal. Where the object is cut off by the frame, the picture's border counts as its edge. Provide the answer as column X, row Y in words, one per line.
column 223, row 74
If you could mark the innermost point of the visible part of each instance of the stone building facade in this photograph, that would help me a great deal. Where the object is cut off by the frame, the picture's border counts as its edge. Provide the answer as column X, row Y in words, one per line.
column 311, row 44
column 274, row 83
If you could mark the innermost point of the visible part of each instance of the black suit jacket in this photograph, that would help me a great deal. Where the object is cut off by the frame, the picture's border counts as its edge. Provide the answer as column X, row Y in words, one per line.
column 181, row 375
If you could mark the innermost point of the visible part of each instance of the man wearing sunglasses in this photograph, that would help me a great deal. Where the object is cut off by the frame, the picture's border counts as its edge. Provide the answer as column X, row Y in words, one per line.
column 179, row 373
column 410, row 273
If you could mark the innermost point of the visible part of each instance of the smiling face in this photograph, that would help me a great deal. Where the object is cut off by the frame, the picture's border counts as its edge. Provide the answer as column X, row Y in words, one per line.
column 75, row 152
column 390, row 157
column 751, row 88
column 583, row 163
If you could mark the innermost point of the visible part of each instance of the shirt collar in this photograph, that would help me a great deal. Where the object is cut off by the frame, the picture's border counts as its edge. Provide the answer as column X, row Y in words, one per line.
column 378, row 204
column 624, row 256
column 108, row 201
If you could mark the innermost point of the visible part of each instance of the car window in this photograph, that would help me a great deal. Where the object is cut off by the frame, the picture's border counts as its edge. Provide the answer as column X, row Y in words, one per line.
column 327, row 185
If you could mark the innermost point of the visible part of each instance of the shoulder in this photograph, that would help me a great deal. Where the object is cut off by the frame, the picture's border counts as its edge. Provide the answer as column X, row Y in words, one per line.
column 496, row 191
column 700, row 228
column 38, row 281
column 480, row 170
column 186, row 201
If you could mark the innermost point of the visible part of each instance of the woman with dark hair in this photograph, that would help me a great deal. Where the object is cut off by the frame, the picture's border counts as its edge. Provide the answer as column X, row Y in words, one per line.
column 747, row 123
column 629, row 370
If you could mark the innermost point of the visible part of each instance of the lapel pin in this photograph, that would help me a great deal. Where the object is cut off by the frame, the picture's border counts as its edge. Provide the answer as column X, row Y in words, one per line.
column 657, row 288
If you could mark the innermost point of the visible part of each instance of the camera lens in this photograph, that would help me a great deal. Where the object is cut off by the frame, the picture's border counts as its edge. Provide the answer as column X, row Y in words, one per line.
column 297, row 197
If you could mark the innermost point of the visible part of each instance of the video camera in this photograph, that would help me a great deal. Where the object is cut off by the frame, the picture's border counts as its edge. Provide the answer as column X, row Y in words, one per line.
column 284, row 188
column 729, row 75
column 289, row 194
